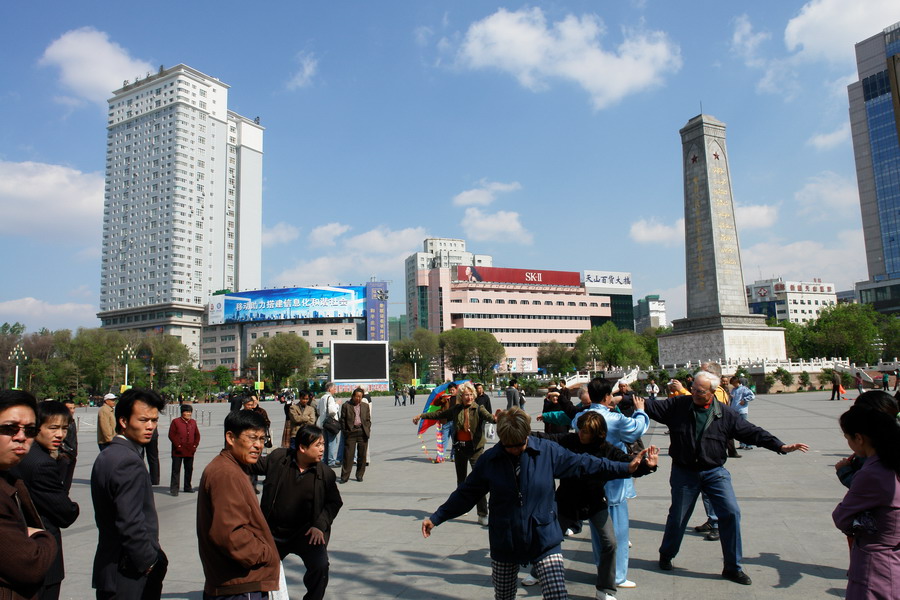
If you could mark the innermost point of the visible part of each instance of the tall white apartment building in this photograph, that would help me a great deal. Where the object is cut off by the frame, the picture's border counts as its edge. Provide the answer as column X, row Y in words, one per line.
column 794, row 301
column 182, row 214
column 438, row 253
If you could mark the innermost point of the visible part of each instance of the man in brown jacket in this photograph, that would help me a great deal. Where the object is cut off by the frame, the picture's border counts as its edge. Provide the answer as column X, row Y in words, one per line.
column 185, row 437
column 237, row 550
column 106, row 421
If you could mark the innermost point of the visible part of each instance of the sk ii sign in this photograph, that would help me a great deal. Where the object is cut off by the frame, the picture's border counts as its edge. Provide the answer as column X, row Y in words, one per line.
column 527, row 276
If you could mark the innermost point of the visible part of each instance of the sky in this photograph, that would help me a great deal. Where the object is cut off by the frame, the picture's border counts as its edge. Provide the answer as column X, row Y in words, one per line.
column 544, row 134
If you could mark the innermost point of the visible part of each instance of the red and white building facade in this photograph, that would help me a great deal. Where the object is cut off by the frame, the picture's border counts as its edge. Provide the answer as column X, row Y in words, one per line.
column 794, row 301
column 522, row 308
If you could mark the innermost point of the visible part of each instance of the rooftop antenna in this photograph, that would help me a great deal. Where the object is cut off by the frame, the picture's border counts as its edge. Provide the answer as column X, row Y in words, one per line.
column 701, row 107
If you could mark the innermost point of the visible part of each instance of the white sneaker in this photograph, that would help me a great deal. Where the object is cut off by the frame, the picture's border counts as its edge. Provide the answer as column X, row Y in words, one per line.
column 629, row 543
column 483, row 521
column 626, row 584
column 529, row 580
column 604, row 596
column 569, row 533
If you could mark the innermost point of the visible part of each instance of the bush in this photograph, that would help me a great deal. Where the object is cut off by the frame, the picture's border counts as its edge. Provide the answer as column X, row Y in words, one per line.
column 742, row 372
column 770, row 380
column 804, row 379
column 784, row 376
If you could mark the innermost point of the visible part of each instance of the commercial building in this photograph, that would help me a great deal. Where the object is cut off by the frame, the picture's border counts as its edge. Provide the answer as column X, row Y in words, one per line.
column 233, row 323
column 182, row 214
column 649, row 311
column 522, row 308
column 794, row 301
column 438, row 253
column 875, row 124
column 616, row 286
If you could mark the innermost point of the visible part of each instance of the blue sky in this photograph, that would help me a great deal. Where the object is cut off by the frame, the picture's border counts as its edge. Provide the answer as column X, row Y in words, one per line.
column 544, row 134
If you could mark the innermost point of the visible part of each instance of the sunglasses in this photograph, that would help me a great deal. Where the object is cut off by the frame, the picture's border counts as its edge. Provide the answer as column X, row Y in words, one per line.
column 11, row 429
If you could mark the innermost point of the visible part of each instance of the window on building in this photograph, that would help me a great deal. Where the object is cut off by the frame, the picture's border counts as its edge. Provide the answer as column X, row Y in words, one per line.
column 512, row 302
column 305, row 333
column 547, row 303
column 320, row 344
column 320, row 332
column 501, row 301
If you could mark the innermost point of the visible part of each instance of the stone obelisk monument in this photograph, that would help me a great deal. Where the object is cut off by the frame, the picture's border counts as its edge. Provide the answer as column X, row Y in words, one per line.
column 719, row 325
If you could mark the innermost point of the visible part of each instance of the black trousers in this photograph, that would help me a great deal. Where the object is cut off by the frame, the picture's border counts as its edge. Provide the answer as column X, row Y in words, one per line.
column 463, row 458
column 355, row 440
column 315, row 559
column 177, row 461
column 144, row 587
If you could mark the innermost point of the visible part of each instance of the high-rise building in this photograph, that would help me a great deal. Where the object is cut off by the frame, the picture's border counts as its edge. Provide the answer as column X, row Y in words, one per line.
column 182, row 214
column 438, row 253
column 649, row 311
column 875, row 124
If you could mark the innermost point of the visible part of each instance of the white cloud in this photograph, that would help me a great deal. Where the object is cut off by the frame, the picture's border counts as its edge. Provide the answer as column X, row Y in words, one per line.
column 826, row 196
column 525, row 45
column 501, row 226
column 326, row 235
column 755, row 216
column 827, row 141
column 309, row 65
column 651, row 231
column 37, row 199
column 423, row 35
column 485, row 193
column 745, row 42
column 91, row 66
column 837, row 258
column 36, row 313
column 380, row 252
column 280, row 233
column 828, row 29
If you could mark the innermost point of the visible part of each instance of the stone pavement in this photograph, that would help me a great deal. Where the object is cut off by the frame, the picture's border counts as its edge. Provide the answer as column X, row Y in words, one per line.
column 791, row 548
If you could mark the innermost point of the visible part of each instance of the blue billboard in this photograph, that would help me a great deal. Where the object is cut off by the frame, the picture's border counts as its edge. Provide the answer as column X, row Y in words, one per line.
column 288, row 303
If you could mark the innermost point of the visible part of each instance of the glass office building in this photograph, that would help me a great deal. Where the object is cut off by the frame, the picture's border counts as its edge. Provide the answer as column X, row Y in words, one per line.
column 875, row 123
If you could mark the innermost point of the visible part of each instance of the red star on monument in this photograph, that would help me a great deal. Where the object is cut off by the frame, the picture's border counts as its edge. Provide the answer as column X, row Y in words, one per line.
column 716, row 155
column 694, row 158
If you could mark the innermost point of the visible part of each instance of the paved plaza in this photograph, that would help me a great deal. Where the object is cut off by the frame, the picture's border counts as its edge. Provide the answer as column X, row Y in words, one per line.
column 791, row 548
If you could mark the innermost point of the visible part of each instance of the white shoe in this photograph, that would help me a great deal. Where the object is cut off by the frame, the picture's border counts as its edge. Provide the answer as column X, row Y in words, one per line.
column 569, row 533
column 529, row 580
column 483, row 521
column 604, row 596
column 626, row 584
column 629, row 543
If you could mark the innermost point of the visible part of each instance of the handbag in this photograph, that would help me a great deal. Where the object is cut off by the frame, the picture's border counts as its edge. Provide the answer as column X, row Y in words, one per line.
column 331, row 425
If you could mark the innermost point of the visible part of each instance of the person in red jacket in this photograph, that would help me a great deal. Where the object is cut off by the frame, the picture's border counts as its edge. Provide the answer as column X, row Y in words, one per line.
column 185, row 437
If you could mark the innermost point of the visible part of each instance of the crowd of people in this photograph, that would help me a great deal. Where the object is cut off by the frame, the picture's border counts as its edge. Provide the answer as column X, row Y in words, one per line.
column 531, row 490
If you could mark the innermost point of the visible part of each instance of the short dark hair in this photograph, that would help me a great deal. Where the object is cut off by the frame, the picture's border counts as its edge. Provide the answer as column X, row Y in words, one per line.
column 878, row 400
column 11, row 398
column 307, row 436
column 452, row 384
column 125, row 405
column 598, row 389
column 513, row 381
column 49, row 409
column 239, row 421
column 69, row 400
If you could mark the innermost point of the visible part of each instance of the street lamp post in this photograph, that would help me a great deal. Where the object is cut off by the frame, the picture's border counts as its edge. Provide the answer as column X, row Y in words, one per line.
column 415, row 356
column 258, row 353
column 17, row 355
column 594, row 352
column 126, row 355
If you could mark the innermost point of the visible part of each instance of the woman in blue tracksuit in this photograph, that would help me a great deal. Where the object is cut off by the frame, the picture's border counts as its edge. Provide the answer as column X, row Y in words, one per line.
column 519, row 474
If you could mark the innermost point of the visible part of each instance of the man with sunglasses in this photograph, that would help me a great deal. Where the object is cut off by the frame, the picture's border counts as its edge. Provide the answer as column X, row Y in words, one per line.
column 129, row 564
column 28, row 550
column 699, row 430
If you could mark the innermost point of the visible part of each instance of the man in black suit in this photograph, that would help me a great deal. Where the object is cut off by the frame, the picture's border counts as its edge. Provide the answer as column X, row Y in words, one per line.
column 42, row 477
column 129, row 564
column 68, row 450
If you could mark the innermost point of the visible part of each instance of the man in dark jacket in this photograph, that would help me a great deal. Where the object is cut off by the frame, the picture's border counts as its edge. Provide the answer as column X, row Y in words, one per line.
column 519, row 473
column 28, row 550
column 356, row 425
column 45, row 484
column 300, row 501
column 68, row 451
column 129, row 564
column 185, row 437
column 699, row 430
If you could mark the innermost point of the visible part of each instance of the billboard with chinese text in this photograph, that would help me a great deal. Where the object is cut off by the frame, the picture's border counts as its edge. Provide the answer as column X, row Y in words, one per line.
column 608, row 279
column 288, row 303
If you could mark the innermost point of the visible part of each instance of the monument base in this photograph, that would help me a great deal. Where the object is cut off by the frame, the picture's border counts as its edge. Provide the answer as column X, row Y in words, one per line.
column 721, row 338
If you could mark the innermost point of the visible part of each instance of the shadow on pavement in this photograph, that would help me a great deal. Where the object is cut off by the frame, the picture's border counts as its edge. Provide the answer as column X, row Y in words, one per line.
column 790, row 572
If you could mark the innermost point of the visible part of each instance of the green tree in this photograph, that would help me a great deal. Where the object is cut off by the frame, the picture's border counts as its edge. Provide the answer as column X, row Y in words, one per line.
column 165, row 354
column 553, row 357
column 618, row 347
column 94, row 353
column 797, row 340
column 222, row 377
column 459, row 349
column 848, row 330
column 649, row 339
column 784, row 376
column 486, row 353
column 286, row 354
column 889, row 328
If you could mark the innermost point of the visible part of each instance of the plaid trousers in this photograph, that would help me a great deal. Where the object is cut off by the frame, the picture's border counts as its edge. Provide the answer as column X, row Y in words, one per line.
column 550, row 571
